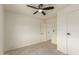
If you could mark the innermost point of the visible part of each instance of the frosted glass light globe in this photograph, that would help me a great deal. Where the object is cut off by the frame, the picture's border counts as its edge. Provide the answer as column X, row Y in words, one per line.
column 40, row 10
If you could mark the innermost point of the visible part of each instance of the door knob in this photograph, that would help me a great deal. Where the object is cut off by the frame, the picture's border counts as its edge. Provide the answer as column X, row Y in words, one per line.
column 68, row 34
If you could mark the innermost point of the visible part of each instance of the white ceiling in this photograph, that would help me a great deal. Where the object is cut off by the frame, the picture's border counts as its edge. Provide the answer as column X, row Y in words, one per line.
column 22, row 8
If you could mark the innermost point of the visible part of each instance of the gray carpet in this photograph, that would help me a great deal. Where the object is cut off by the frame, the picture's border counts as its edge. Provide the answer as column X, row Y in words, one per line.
column 44, row 48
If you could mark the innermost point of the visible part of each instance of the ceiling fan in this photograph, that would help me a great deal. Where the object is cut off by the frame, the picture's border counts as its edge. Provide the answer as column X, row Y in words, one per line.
column 41, row 9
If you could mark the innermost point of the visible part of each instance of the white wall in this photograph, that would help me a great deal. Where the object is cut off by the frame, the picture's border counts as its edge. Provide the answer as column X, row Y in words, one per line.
column 1, row 29
column 20, row 30
column 52, row 29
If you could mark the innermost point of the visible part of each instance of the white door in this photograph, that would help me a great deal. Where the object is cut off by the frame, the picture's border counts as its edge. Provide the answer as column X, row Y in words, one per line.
column 73, row 32
column 49, row 33
column 43, row 32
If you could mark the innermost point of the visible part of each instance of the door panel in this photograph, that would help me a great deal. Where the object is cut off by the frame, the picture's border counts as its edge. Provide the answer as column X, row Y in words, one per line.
column 73, row 29
column 68, row 30
column 43, row 32
column 49, row 32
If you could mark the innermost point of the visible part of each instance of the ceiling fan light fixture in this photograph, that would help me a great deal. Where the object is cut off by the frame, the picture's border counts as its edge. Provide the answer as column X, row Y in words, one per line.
column 40, row 10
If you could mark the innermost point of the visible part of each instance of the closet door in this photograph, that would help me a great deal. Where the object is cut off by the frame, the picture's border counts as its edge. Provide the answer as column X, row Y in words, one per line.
column 49, row 32
column 43, row 32
column 73, row 32
column 68, row 30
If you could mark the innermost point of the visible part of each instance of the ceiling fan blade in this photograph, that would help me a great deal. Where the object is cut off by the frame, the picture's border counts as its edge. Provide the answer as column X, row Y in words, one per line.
column 48, row 8
column 43, row 13
column 35, row 12
column 32, row 7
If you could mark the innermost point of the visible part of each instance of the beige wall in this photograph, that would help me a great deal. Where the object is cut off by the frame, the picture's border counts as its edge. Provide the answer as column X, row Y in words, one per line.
column 1, row 29
column 20, row 30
